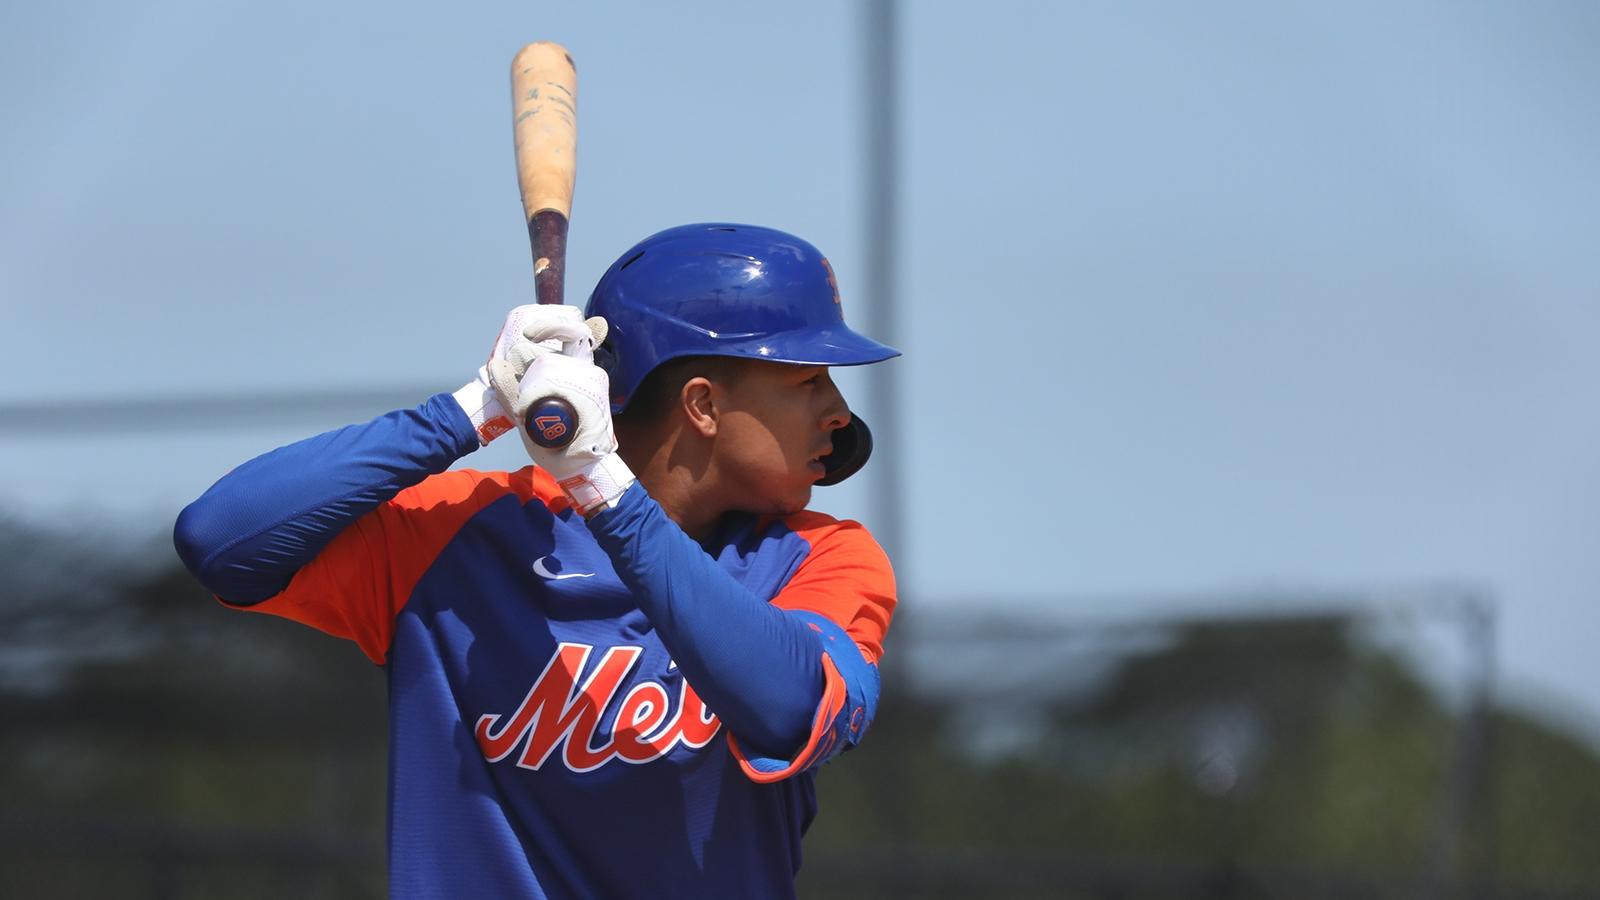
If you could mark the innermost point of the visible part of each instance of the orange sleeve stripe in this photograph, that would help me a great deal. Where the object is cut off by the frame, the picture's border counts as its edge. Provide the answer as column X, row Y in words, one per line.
column 822, row 736
column 846, row 577
column 357, row 585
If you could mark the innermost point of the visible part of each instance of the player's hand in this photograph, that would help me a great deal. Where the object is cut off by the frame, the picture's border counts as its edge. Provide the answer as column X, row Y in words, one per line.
column 530, row 331
column 487, row 403
column 562, row 366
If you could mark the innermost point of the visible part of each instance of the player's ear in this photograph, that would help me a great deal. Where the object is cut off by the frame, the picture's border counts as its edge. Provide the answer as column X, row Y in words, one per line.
column 697, row 401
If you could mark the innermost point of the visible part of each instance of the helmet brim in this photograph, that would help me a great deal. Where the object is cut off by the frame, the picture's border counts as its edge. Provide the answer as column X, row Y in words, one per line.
column 816, row 347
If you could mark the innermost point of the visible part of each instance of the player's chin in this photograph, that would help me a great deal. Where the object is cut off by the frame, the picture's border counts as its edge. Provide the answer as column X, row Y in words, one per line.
column 795, row 499
column 803, row 500
column 794, row 480
column 789, row 501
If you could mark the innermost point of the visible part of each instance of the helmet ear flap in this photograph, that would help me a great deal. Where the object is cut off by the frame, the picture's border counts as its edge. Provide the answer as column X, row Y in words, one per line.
column 852, row 445
column 605, row 356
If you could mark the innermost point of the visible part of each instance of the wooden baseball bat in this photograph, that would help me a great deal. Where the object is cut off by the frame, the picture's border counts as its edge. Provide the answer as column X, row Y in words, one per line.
column 544, row 111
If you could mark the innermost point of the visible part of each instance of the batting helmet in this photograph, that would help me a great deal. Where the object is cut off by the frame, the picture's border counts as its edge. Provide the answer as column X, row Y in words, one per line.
column 729, row 290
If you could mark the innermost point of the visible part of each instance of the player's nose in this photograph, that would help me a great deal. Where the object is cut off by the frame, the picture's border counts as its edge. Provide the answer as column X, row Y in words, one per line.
column 836, row 412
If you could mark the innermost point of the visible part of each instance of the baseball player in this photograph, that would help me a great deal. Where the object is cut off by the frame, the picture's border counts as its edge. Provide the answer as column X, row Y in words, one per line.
column 613, row 673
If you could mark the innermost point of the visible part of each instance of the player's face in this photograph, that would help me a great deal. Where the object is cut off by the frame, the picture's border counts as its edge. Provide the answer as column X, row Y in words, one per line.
column 777, row 424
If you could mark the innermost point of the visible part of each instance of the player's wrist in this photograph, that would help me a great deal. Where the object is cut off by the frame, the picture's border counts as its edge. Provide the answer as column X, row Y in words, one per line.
column 597, row 485
column 481, row 403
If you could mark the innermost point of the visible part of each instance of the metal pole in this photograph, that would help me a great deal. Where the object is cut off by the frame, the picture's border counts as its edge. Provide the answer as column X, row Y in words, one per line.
column 880, row 72
column 880, row 68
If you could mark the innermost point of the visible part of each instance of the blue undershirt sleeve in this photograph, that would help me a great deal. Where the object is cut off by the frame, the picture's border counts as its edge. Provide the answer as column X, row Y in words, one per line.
column 246, row 537
column 758, row 667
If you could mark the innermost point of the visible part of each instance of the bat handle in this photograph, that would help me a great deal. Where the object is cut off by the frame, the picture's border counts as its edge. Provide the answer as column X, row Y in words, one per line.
column 551, row 422
column 547, row 232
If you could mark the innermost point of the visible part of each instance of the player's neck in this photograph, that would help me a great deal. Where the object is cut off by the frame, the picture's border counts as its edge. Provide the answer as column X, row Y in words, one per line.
column 674, row 472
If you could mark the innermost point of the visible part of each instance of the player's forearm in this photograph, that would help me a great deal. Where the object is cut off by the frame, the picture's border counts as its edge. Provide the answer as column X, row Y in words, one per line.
column 246, row 536
column 756, row 666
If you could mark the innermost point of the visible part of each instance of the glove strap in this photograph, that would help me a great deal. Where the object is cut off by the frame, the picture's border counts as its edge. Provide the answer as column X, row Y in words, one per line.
column 479, row 401
column 599, row 484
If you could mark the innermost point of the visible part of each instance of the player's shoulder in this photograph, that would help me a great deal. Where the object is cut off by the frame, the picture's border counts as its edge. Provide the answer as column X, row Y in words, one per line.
column 846, row 577
column 478, row 488
column 824, row 532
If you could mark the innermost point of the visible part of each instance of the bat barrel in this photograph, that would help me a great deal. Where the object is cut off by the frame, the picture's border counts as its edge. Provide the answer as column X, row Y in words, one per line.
column 544, row 109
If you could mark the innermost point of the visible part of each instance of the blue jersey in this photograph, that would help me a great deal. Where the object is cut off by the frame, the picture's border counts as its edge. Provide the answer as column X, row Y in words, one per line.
column 555, row 684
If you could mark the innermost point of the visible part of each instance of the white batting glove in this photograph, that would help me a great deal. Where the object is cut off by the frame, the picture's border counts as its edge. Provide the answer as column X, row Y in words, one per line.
column 484, row 404
column 562, row 367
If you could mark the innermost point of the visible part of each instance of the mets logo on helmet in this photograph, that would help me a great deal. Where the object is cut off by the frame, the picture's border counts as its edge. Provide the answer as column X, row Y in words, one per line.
column 557, row 712
column 833, row 282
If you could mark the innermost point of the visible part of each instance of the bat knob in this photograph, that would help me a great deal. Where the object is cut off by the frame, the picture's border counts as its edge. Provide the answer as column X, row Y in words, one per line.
column 551, row 423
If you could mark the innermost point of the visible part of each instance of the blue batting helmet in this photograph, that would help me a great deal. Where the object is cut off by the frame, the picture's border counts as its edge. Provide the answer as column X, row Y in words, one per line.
column 729, row 290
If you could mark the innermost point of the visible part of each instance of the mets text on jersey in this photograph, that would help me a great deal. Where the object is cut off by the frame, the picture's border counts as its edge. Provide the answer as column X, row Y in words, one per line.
column 557, row 712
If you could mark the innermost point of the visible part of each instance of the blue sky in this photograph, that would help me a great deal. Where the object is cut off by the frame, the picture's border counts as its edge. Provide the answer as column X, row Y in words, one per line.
column 1195, row 300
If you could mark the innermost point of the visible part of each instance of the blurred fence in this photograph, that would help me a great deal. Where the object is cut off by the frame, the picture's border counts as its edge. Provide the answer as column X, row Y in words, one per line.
column 160, row 747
